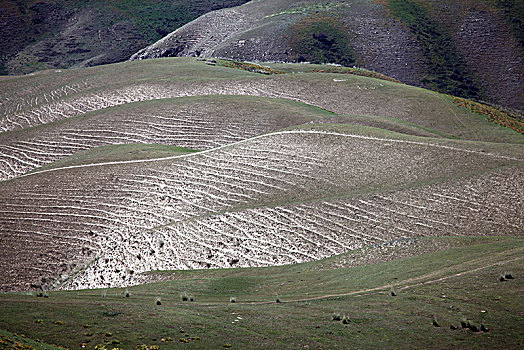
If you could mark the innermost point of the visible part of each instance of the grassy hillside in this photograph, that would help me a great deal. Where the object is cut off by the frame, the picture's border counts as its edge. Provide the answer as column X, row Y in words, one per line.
column 448, row 280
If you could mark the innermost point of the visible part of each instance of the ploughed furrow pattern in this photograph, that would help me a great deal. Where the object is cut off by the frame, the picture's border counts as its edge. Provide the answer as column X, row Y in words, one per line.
column 356, row 97
column 198, row 123
column 113, row 221
column 304, row 232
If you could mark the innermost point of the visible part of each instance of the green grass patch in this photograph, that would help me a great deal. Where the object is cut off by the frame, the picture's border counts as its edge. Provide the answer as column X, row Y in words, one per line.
column 447, row 71
column 460, row 281
column 494, row 115
column 321, row 38
column 250, row 67
column 118, row 153
column 11, row 341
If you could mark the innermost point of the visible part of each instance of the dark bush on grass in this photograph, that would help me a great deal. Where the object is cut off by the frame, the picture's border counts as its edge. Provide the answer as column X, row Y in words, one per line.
column 474, row 328
column 336, row 317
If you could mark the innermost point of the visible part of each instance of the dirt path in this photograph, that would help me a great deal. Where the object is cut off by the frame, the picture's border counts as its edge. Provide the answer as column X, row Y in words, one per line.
column 407, row 283
column 373, row 138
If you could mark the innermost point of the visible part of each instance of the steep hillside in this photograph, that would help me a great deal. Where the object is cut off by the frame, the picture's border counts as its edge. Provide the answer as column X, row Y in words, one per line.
column 102, row 181
column 464, row 48
column 45, row 34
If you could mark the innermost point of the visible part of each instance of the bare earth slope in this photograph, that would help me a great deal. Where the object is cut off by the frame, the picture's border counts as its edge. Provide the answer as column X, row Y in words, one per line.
column 275, row 199
column 470, row 49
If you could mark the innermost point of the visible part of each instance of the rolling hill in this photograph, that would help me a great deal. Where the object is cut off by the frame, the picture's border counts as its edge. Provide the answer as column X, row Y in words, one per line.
column 317, row 163
column 298, row 191
column 472, row 49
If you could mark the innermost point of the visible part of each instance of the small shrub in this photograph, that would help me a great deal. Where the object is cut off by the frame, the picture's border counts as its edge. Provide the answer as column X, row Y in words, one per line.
column 464, row 323
column 508, row 276
column 435, row 322
column 484, row 329
column 115, row 341
column 126, row 293
column 191, row 298
column 346, row 320
column 474, row 328
column 336, row 317
column 393, row 293
column 183, row 340
column 104, row 293
column 277, row 300
column 38, row 321
column 109, row 334
column 88, row 334
column 166, row 339
column 453, row 327
column 195, row 338
column 227, row 345
column 158, row 301
column 185, row 297
column 86, row 325
column 502, row 278
column 232, row 300
column 100, row 347
column 60, row 323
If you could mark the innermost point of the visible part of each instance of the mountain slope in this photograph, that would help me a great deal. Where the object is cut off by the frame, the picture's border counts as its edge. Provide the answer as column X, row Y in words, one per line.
column 469, row 49
column 36, row 35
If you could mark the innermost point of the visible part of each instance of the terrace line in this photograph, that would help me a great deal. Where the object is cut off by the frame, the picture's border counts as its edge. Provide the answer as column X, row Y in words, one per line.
column 362, row 137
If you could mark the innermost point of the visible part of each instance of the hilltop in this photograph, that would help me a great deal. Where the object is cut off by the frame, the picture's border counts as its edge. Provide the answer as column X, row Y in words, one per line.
column 463, row 48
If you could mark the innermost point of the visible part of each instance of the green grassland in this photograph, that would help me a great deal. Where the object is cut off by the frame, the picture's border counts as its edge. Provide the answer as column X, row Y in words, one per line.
column 458, row 280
